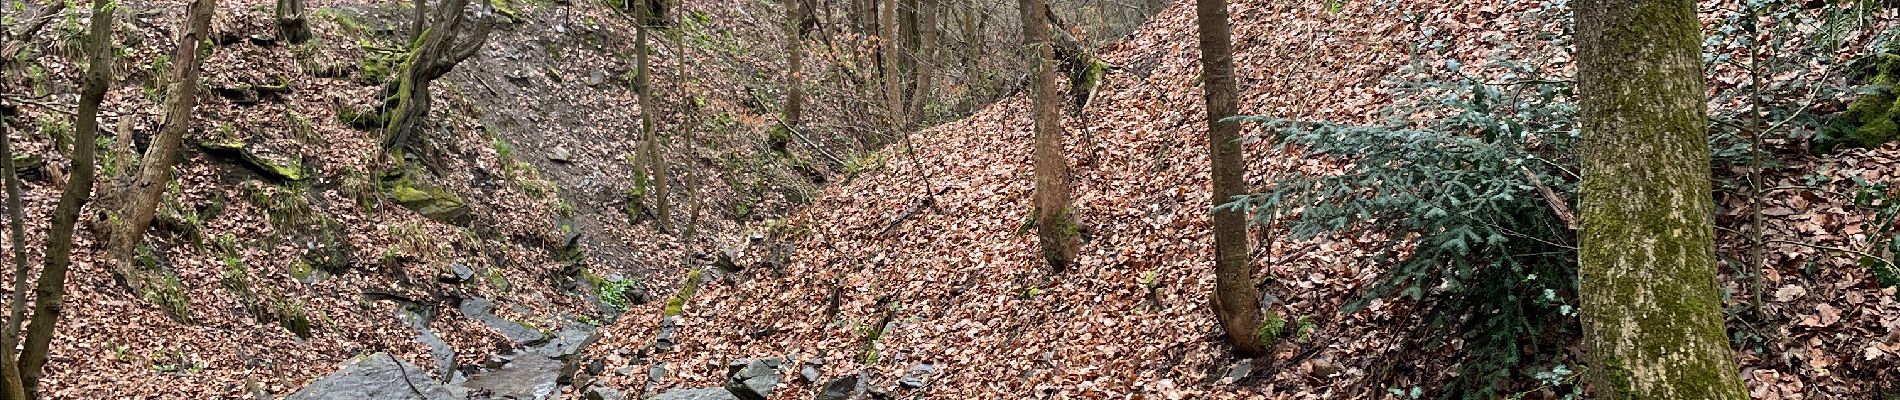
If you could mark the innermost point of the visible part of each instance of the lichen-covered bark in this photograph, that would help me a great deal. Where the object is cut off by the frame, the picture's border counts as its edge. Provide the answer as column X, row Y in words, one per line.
column 1055, row 216
column 1235, row 301
column 1651, row 314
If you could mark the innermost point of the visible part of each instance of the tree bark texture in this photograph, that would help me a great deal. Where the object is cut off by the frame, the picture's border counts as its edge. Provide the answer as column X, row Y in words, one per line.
column 1056, row 229
column 1651, row 311
column 650, row 138
column 1235, row 301
column 140, row 199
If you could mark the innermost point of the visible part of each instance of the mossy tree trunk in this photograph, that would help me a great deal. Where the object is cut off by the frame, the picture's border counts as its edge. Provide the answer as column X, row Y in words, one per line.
column 1055, row 216
column 650, row 138
column 1651, row 313
column 138, row 200
column 1235, row 301
column 447, row 40
column 293, row 23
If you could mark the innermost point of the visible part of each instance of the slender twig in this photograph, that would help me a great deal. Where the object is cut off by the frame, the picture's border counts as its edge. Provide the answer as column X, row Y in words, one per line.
column 800, row 134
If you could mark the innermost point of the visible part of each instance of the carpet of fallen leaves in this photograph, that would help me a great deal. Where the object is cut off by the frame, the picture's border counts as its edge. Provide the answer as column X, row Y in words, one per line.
column 966, row 293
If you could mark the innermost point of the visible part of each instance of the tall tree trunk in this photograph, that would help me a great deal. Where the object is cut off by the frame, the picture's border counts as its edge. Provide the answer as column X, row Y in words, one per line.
column 907, row 32
column 50, row 291
column 794, row 64
column 12, row 42
column 893, row 76
column 292, row 22
column 139, row 200
column 650, row 139
column 1235, row 301
column 1652, row 316
column 923, row 53
column 689, row 124
column 975, row 77
column 1055, row 217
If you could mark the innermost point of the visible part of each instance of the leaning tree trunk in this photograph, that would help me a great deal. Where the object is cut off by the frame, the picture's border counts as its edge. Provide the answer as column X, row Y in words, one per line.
column 138, row 201
column 1055, row 216
column 1652, row 316
column 650, row 139
column 12, row 385
column 50, row 289
column 1235, row 301
column 292, row 22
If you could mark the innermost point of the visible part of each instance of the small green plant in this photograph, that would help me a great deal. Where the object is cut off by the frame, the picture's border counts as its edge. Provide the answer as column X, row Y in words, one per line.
column 864, row 163
column 1468, row 191
column 58, row 131
column 615, row 292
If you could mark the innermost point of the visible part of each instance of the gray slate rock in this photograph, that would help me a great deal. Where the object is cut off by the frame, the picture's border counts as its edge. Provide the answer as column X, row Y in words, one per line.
column 484, row 310
column 376, row 376
column 602, row 393
column 696, row 394
column 459, row 272
column 845, row 388
column 756, row 380
column 917, row 376
column 668, row 327
column 527, row 377
column 1240, row 370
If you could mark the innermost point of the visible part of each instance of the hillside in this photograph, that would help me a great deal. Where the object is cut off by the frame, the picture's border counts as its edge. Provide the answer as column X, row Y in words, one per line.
column 335, row 253
column 880, row 284
column 516, row 249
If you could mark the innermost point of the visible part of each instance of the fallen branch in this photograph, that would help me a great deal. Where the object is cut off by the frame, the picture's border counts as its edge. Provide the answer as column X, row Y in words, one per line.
column 915, row 207
column 800, row 134
column 1557, row 203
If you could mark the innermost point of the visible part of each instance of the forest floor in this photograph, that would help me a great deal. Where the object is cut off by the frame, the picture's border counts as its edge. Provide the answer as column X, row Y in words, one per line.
column 876, row 282
column 537, row 132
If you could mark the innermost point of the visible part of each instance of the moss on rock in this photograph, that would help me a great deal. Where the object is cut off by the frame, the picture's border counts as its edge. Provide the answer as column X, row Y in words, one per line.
column 1870, row 120
column 433, row 202
column 282, row 169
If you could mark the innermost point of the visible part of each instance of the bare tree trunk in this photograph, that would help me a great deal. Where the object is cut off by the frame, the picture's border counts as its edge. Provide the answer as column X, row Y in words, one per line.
column 794, row 65
column 975, row 76
column 50, row 290
column 1236, row 302
column 650, row 138
column 421, row 20
column 907, row 33
column 893, row 77
column 292, row 22
column 1055, row 216
column 689, row 124
column 138, row 201
column 924, row 53
column 12, row 41
column 1652, row 313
